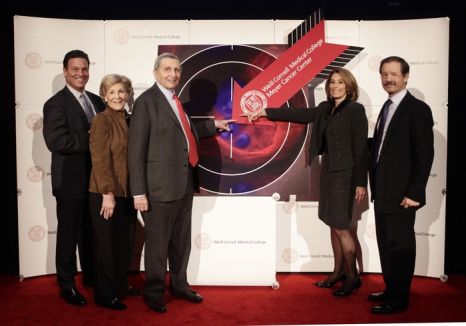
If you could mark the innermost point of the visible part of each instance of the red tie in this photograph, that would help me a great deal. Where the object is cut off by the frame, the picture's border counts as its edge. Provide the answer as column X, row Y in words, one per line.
column 193, row 158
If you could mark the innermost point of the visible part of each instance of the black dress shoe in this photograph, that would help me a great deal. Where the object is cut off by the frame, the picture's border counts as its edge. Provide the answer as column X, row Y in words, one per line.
column 329, row 283
column 72, row 296
column 114, row 303
column 385, row 309
column 376, row 297
column 348, row 288
column 157, row 305
column 189, row 295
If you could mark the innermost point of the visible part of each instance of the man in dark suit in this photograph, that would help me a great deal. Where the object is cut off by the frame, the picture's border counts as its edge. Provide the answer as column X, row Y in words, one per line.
column 67, row 118
column 162, row 161
column 402, row 155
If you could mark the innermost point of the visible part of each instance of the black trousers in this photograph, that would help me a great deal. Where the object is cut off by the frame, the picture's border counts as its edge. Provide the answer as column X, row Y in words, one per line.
column 167, row 235
column 397, row 250
column 73, row 230
column 113, row 246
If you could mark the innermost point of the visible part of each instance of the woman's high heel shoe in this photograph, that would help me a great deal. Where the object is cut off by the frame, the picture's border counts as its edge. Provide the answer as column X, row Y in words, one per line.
column 328, row 284
column 348, row 288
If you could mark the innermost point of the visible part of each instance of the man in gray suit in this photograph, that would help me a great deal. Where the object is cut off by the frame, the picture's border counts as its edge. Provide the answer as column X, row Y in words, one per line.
column 162, row 160
column 402, row 155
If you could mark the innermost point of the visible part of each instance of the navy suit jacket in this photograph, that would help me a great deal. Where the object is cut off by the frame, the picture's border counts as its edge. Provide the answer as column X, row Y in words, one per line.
column 405, row 158
column 66, row 134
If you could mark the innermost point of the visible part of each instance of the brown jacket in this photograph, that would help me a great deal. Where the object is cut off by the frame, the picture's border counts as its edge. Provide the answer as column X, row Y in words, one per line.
column 108, row 142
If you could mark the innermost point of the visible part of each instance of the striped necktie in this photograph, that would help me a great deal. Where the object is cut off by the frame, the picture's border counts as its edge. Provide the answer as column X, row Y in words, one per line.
column 87, row 108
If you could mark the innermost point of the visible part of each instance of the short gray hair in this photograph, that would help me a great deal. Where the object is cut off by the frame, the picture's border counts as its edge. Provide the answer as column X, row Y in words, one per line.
column 163, row 56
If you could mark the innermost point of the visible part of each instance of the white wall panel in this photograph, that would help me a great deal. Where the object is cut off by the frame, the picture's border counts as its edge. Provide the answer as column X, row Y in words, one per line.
column 302, row 241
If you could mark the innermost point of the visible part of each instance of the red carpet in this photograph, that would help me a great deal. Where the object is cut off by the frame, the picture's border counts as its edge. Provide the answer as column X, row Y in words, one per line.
column 35, row 301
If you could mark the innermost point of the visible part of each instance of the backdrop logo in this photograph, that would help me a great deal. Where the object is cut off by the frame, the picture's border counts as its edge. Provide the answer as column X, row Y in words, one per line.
column 290, row 72
column 33, row 60
column 372, row 122
column 36, row 233
column 139, row 88
column 253, row 101
column 289, row 255
column 121, row 36
column 374, row 62
column 35, row 173
column 289, row 207
column 34, row 121
column 203, row 241
column 370, row 231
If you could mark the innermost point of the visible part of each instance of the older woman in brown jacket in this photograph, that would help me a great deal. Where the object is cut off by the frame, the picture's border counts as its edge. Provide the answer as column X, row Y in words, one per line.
column 113, row 215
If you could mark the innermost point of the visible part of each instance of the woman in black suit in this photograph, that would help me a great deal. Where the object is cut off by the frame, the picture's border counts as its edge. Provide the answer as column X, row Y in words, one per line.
column 339, row 134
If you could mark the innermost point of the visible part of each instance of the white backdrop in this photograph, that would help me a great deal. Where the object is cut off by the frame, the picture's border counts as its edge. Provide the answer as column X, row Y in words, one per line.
column 302, row 242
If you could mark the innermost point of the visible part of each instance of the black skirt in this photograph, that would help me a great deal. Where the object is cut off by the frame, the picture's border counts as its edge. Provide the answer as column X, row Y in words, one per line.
column 337, row 191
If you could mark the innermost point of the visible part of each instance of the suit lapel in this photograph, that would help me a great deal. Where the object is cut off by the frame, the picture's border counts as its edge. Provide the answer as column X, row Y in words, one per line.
column 166, row 107
column 97, row 105
column 74, row 104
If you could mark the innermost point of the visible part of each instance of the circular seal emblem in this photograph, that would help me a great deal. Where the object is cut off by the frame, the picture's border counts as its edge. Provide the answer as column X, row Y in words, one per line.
column 139, row 88
column 370, row 231
column 36, row 233
column 33, row 60
column 253, row 101
column 35, row 173
column 372, row 122
column 203, row 241
column 289, row 255
column 34, row 121
column 289, row 207
column 374, row 62
column 121, row 36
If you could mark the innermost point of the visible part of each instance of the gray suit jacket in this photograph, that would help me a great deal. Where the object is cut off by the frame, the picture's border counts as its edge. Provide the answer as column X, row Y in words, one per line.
column 157, row 148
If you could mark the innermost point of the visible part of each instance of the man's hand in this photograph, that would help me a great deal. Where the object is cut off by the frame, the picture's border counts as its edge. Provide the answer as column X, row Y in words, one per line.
column 406, row 203
column 141, row 203
column 223, row 124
